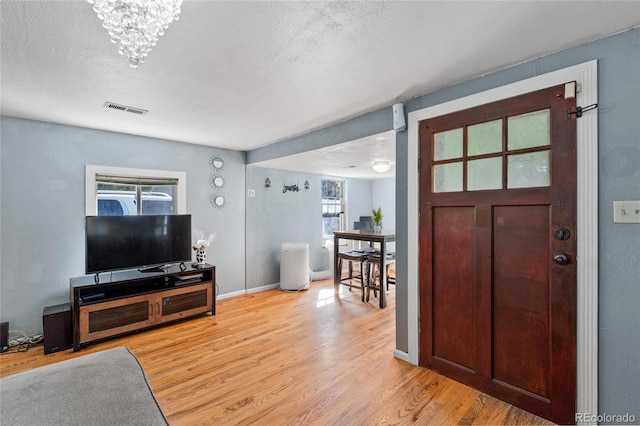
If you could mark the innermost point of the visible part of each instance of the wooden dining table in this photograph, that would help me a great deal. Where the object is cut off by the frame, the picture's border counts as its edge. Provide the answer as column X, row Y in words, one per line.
column 371, row 237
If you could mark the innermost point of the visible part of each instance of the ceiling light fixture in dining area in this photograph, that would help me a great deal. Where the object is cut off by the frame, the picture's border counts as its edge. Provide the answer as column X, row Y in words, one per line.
column 381, row 166
column 136, row 24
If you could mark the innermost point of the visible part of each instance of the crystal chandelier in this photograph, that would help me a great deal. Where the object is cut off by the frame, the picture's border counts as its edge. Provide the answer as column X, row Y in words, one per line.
column 136, row 24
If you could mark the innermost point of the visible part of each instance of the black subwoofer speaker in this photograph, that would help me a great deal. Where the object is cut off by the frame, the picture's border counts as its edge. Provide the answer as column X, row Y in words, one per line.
column 56, row 326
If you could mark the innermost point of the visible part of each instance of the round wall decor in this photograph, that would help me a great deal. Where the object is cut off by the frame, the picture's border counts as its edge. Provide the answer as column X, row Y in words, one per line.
column 217, row 181
column 217, row 163
column 218, row 201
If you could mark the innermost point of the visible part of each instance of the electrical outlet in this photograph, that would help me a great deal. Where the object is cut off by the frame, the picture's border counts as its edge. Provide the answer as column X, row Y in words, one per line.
column 626, row 211
column 251, row 192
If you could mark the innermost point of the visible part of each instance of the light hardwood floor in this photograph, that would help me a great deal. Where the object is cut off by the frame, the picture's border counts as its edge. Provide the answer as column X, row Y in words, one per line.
column 278, row 358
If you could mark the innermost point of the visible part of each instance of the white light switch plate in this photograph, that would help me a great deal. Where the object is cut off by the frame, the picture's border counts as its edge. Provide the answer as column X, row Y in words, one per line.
column 251, row 192
column 626, row 211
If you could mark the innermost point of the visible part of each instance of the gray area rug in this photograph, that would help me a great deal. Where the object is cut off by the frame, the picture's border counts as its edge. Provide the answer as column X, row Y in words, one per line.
column 104, row 388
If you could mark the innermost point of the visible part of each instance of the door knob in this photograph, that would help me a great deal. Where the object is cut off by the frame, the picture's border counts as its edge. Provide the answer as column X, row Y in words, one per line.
column 561, row 258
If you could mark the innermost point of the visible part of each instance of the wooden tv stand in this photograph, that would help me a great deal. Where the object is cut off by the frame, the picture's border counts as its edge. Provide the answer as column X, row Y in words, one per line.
column 127, row 301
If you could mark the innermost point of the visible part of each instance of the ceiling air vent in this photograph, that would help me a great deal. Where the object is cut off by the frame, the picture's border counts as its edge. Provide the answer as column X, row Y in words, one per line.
column 119, row 107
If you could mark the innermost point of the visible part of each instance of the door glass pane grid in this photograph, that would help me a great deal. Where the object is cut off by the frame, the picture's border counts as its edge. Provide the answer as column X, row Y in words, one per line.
column 528, row 170
column 532, row 132
column 448, row 144
column 448, row 177
column 529, row 130
column 484, row 138
column 484, row 174
column 455, row 169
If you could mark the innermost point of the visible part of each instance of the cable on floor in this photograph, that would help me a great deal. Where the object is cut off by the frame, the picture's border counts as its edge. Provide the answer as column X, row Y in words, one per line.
column 21, row 341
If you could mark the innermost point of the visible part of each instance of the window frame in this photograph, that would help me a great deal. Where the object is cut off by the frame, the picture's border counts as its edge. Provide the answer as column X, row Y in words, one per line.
column 91, row 193
column 342, row 203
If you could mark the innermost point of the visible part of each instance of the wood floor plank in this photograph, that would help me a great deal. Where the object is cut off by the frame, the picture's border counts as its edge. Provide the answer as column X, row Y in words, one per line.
column 304, row 358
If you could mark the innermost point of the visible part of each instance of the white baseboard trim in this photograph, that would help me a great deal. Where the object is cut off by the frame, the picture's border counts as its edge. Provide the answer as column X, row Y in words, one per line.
column 247, row 291
column 263, row 288
column 230, row 295
column 404, row 356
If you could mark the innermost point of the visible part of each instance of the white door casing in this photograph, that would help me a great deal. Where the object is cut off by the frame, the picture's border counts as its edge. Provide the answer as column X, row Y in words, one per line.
column 585, row 75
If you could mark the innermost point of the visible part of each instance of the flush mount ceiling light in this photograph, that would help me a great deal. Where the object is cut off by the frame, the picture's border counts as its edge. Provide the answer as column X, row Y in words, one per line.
column 381, row 166
column 136, row 24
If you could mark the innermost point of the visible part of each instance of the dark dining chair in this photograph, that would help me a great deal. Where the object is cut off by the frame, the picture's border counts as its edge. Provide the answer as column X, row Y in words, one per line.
column 354, row 256
column 373, row 274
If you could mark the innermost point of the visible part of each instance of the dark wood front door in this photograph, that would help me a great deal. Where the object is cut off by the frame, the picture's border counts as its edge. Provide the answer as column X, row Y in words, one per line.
column 498, row 250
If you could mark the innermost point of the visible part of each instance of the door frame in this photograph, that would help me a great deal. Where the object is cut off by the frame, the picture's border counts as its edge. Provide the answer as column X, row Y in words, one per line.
column 586, row 77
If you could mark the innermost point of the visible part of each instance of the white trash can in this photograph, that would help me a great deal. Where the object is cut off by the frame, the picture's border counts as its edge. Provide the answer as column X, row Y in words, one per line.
column 294, row 266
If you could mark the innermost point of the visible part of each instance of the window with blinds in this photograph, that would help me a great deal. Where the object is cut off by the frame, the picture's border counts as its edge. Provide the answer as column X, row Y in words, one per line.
column 135, row 195
column 333, row 207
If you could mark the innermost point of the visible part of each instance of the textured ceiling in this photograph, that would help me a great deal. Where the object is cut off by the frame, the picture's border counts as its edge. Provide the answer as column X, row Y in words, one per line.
column 354, row 159
column 242, row 75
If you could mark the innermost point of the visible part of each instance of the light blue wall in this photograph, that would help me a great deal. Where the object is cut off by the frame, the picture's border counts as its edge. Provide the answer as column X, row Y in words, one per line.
column 43, row 208
column 619, row 179
column 274, row 217
column 384, row 196
column 359, row 200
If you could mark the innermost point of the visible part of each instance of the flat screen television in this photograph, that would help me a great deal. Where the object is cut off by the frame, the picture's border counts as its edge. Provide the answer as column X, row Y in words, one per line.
column 127, row 242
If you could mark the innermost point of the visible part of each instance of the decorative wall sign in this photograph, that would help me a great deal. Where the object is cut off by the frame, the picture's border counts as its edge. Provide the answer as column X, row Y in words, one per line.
column 267, row 183
column 292, row 188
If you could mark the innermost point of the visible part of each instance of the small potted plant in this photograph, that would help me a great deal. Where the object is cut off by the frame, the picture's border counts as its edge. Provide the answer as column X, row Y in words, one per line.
column 377, row 220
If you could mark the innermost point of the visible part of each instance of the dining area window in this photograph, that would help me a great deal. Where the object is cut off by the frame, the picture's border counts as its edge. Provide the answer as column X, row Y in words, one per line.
column 333, row 206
